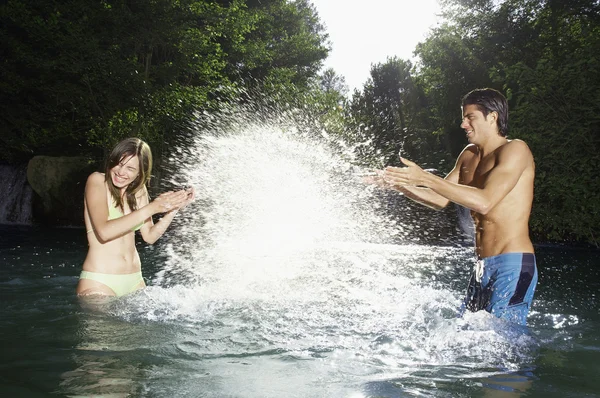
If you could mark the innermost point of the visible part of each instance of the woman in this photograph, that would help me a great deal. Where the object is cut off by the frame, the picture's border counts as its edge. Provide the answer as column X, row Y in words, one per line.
column 116, row 204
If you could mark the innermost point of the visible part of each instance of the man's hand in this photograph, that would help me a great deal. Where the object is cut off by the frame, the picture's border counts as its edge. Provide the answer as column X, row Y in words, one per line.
column 411, row 175
column 376, row 178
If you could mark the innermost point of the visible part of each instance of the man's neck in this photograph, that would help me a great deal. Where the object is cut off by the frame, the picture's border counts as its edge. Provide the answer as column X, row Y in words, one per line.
column 493, row 143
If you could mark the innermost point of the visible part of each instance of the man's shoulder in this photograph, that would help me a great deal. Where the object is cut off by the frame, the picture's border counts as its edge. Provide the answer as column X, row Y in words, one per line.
column 516, row 154
column 517, row 142
column 516, row 147
column 469, row 150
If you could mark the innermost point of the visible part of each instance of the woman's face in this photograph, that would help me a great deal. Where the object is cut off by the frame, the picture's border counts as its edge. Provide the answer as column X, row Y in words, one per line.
column 126, row 171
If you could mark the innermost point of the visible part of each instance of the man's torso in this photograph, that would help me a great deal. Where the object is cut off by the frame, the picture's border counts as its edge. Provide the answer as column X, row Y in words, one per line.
column 504, row 229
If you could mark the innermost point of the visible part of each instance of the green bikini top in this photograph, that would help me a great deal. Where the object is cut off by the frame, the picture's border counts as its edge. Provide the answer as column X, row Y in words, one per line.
column 114, row 212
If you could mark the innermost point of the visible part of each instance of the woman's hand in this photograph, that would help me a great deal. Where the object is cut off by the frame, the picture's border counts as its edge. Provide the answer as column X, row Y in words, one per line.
column 167, row 203
column 191, row 196
column 171, row 201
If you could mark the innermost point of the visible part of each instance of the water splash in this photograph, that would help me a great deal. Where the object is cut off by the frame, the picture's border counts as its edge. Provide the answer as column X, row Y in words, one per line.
column 267, row 195
column 286, row 254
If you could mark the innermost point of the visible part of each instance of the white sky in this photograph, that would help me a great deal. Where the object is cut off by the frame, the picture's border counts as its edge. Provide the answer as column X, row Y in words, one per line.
column 365, row 32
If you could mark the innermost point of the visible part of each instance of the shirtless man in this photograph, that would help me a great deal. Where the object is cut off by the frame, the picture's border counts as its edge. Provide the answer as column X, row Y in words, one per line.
column 493, row 177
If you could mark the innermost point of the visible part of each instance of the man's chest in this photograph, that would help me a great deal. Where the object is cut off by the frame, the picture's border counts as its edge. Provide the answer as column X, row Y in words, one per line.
column 474, row 172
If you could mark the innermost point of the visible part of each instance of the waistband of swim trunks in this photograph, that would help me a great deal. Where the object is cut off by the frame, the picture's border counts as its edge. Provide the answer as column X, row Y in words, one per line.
column 509, row 258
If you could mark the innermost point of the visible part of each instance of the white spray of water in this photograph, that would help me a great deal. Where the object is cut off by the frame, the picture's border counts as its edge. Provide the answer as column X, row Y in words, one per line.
column 267, row 197
column 286, row 250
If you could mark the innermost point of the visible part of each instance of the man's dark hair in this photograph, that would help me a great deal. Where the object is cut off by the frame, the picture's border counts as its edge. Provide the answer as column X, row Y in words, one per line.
column 489, row 100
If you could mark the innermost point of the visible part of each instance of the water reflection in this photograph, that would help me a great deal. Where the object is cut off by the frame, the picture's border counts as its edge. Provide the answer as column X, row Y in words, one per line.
column 103, row 357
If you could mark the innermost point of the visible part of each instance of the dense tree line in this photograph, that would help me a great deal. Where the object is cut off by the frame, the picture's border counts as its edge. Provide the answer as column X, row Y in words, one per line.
column 75, row 76
column 545, row 56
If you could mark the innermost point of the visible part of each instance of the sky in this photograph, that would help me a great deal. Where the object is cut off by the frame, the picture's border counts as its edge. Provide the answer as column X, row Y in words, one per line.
column 368, row 32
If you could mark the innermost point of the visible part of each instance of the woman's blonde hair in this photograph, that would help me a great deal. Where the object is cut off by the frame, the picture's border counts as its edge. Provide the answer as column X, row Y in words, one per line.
column 126, row 148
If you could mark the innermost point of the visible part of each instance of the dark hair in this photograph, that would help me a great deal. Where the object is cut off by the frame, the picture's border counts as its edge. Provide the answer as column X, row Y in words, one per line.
column 487, row 101
column 129, row 147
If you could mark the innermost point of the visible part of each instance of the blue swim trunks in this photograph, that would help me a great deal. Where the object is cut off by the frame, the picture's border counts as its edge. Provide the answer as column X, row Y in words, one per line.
column 504, row 286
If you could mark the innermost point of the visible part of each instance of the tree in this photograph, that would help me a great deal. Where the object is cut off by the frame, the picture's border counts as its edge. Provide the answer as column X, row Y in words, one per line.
column 77, row 76
column 284, row 45
column 543, row 56
column 389, row 117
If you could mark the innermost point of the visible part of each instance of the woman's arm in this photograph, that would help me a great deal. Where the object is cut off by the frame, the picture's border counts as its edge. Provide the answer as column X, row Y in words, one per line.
column 96, row 198
column 177, row 200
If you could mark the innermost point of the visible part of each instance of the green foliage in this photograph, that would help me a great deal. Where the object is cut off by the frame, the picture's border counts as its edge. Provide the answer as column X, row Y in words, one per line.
column 77, row 76
column 450, row 66
column 557, row 112
column 544, row 56
column 284, row 43
column 390, row 117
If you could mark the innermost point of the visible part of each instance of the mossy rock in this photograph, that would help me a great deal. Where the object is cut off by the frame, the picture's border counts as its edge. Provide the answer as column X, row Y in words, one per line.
column 58, row 184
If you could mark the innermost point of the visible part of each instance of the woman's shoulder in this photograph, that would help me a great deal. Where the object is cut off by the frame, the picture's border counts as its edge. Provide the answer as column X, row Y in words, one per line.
column 96, row 175
column 141, row 194
column 96, row 178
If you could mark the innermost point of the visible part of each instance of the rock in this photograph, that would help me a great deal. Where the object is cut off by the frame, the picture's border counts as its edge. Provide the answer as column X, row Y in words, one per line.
column 59, row 184
column 15, row 195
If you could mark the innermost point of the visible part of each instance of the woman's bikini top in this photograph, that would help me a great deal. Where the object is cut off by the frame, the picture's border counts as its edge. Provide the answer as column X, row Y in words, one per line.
column 115, row 212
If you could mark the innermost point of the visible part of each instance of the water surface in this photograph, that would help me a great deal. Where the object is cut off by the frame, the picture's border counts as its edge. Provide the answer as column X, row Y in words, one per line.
column 288, row 278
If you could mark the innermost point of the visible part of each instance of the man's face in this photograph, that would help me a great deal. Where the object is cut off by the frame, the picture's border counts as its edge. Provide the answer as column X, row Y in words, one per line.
column 476, row 125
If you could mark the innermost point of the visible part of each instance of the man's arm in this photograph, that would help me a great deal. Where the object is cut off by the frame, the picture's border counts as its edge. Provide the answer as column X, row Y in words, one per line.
column 501, row 179
column 425, row 195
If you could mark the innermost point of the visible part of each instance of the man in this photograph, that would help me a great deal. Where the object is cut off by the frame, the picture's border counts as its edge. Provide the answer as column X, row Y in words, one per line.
column 493, row 177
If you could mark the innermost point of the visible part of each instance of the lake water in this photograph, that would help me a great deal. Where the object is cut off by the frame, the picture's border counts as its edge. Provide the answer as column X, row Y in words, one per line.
column 375, row 321
column 285, row 279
